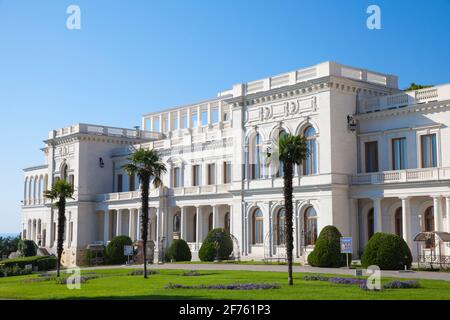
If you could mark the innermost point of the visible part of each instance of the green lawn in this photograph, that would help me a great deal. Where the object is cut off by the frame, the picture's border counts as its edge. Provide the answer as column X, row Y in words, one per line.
column 117, row 284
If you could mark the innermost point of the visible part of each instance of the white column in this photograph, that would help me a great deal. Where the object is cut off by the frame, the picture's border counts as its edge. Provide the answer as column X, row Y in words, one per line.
column 179, row 120
column 447, row 212
column 119, row 223
column 183, row 222
column 406, row 220
column 169, row 121
column 209, row 114
column 106, row 227
column 220, row 111
column 377, row 219
column 158, row 228
column 199, row 117
column 151, row 124
column 437, row 212
column 161, row 129
column 189, row 118
column 197, row 229
column 131, row 223
column 216, row 222
column 138, row 224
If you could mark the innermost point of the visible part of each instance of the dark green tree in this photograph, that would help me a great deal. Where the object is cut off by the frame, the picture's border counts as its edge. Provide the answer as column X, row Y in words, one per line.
column 147, row 164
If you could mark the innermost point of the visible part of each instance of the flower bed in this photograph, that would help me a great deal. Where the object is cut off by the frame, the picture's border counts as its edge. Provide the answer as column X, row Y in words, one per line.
column 140, row 272
column 235, row 286
column 191, row 273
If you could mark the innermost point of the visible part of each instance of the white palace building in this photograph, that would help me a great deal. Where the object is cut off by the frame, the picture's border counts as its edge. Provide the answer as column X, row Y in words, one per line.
column 379, row 161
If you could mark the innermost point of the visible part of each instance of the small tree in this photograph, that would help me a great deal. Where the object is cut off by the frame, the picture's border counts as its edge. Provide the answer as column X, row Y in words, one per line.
column 27, row 248
column 60, row 191
column 292, row 150
column 114, row 251
column 146, row 164
column 217, row 244
column 327, row 251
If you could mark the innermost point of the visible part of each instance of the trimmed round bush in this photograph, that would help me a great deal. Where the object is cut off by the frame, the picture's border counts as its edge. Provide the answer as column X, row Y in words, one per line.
column 208, row 250
column 27, row 248
column 114, row 250
column 387, row 251
column 327, row 251
column 179, row 251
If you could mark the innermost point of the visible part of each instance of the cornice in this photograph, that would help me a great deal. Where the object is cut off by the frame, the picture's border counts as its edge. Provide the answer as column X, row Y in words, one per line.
column 430, row 107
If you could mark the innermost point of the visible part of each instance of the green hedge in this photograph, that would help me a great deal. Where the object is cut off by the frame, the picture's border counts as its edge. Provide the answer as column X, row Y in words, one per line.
column 208, row 250
column 44, row 263
column 179, row 251
column 114, row 250
column 27, row 248
column 327, row 251
column 387, row 251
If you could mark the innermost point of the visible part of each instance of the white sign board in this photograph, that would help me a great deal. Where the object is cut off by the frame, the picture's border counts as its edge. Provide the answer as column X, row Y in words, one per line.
column 128, row 250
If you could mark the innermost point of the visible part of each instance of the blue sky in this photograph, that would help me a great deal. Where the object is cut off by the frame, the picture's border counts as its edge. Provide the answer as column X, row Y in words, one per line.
column 134, row 57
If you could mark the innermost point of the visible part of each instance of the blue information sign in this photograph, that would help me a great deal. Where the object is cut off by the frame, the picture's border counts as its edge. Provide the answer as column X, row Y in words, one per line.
column 346, row 245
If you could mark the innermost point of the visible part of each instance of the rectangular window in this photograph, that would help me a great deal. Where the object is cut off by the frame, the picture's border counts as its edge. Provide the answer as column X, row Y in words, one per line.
column 119, row 183
column 184, row 120
column 204, row 118
column 132, row 183
column 214, row 115
column 211, row 173
column 156, row 126
column 399, row 154
column 196, row 175
column 176, row 177
column 194, row 120
column 429, row 151
column 371, row 156
column 226, row 172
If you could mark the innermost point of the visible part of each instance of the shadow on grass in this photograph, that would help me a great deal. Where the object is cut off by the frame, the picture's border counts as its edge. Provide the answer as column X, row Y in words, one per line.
column 139, row 297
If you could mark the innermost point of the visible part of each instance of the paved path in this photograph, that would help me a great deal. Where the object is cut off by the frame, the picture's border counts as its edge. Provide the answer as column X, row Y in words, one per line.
column 445, row 276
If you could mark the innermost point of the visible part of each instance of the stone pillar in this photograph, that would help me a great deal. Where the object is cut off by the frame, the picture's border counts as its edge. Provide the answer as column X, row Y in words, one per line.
column 406, row 220
column 183, row 222
column 151, row 124
column 209, row 115
column 220, row 111
column 189, row 118
column 197, row 229
column 199, row 116
column 131, row 224
column 377, row 218
column 447, row 212
column 119, row 223
column 161, row 129
column 106, row 225
column 437, row 212
column 158, row 228
column 216, row 222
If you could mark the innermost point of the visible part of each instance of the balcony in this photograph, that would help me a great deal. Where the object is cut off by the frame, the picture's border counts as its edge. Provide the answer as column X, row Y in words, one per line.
column 402, row 176
column 123, row 196
column 200, row 190
column 438, row 93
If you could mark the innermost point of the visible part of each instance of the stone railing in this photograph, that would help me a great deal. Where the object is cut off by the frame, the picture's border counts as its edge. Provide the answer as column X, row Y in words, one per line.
column 120, row 196
column 105, row 131
column 438, row 93
column 200, row 190
column 402, row 176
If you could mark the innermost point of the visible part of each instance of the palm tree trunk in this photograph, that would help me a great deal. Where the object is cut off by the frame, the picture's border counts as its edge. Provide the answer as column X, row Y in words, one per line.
column 287, row 179
column 145, row 184
column 60, row 239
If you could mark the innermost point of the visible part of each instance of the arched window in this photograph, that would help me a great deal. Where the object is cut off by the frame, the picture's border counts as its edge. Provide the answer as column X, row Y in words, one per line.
column 210, row 222
column 254, row 158
column 281, row 227
column 280, row 172
column 309, row 164
column 398, row 222
column 64, row 172
column 227, row 222
column 176, row 222
column 25, row 189
column 429, row 225
column 310, row 221
column 370, row 224
column 258, row 237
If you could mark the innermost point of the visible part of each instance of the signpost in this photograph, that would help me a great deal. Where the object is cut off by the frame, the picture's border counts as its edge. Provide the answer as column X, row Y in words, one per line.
column 128, row 251
column 347, row 247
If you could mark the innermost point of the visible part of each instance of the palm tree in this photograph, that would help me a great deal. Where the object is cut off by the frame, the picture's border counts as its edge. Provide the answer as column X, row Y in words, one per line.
column 292, row 150
column 60, row 191
column 146, row 164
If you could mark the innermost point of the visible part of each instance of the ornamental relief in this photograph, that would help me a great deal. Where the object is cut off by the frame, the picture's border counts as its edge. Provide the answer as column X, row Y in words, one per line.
column 282, row 110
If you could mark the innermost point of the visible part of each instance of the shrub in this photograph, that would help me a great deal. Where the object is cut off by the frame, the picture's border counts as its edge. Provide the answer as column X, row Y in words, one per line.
column 179, row 251
column 397, row 284
column 43, row 263
column 114, row 251
column 327, row 251
column 191, row 273
column 27, row 248
column 208, row 250
column 8, row 245
column 13, row 271
column 140, row 272
column 387, row 251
